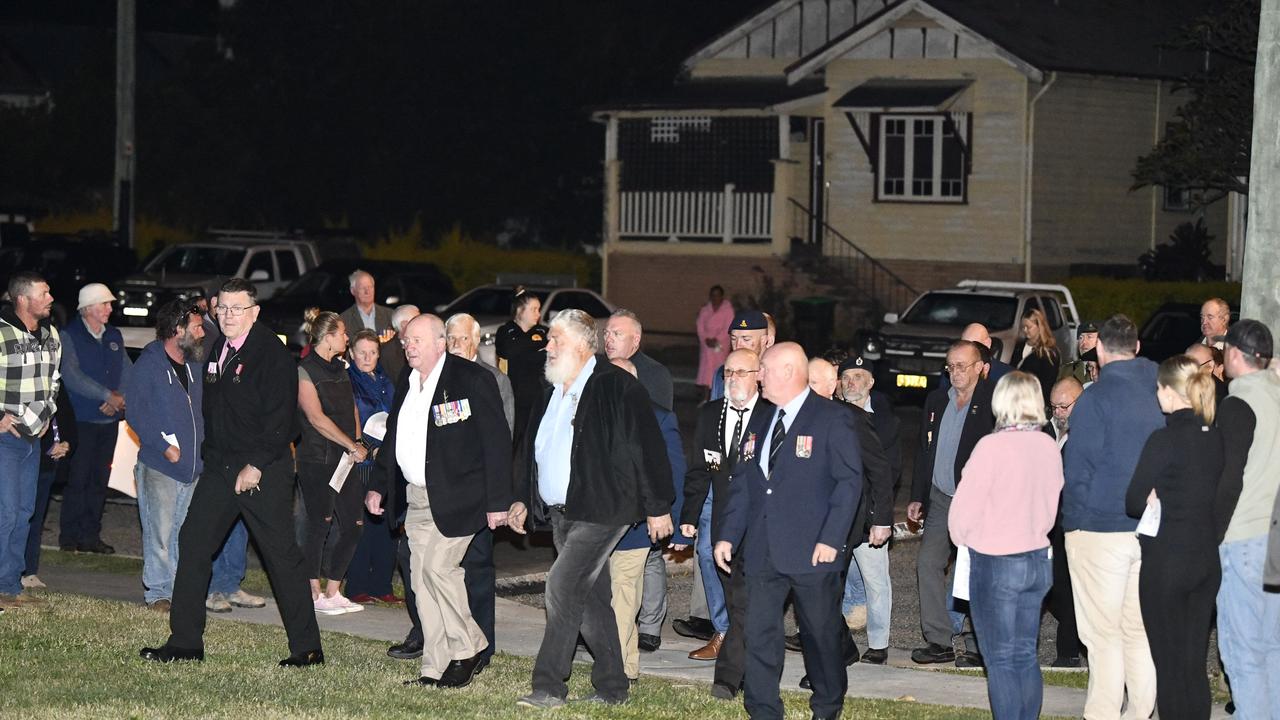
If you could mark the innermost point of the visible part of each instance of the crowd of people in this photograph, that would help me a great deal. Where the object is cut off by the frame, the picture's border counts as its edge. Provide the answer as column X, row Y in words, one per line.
column 1137, row 502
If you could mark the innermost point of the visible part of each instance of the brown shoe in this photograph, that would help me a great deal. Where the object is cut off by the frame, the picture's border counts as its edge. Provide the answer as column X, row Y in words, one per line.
column 711, row 650
column 20, row 600
column 161, row 606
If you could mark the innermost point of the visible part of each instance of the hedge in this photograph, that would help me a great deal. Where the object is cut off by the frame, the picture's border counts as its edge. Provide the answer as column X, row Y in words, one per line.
column 1098, row 298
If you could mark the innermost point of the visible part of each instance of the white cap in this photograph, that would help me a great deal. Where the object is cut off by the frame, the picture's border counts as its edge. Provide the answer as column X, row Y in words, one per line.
column 94, row 293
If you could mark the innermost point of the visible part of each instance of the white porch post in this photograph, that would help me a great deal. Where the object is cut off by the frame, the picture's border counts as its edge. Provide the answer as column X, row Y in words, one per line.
column 726, row 217
column 612, row 201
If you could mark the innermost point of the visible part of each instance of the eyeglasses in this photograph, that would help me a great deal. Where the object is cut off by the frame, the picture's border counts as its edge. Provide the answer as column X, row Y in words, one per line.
column 738, row 373
column 1207, row 362
column 1062, row 406
column 232, row 310
column 959, row 367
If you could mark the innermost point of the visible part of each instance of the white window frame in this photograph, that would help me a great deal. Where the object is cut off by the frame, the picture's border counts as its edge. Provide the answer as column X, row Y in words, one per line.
column 939, row 123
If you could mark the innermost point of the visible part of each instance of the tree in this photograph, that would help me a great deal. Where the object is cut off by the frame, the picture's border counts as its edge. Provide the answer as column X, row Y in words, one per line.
column 1206, row 148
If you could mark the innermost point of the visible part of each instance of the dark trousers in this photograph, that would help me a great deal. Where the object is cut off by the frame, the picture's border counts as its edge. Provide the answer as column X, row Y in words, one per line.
column 268, row 515
column 731, row 663
column 49, row 470
column 579, row 600
column 342, row 512
column 374, row 560
column 86, row 491
column 1061, row 600
column 1178, row 588
column 480, row 578
column 822, row 634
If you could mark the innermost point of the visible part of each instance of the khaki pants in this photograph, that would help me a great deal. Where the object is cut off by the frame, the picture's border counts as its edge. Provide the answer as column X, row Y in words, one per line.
column 448, row 630
column 626, row 575
column 1104, row 570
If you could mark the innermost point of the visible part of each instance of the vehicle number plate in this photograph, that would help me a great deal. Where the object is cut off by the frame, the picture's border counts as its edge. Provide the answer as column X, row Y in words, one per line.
column 135, row 312
column 913, row 381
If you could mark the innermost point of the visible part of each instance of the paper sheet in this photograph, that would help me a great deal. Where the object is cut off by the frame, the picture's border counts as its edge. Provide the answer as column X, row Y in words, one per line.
column 341, row 472
column 1149, row 525
column 376, row 426
column 171, row 438
column 960, row 588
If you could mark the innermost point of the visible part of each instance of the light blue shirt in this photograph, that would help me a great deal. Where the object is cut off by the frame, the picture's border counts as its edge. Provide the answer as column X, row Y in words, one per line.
column 371, row 320
column 792, row 408
column 553, row 447
column 948, row 444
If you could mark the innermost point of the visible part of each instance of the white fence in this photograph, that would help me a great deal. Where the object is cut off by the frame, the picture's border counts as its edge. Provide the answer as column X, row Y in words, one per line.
column 724, row 215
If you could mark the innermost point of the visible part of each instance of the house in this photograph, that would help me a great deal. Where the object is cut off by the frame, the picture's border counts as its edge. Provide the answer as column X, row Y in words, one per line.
column 899, row 145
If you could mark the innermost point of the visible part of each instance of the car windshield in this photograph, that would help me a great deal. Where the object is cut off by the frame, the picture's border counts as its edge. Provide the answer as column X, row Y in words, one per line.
column 995, row 312
column 198, row 259
column 487, row 301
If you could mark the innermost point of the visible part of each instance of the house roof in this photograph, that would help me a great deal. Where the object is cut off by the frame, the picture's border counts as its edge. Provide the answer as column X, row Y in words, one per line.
column 720, row 94
column 881, row 93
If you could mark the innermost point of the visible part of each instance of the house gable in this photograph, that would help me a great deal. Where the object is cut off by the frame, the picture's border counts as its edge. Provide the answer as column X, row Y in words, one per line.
column 787, row 30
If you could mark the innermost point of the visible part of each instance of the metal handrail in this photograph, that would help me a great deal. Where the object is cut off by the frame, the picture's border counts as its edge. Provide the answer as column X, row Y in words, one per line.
column 868, row 276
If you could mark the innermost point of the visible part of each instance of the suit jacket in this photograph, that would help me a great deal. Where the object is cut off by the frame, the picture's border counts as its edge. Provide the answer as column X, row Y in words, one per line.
column 468, row 462
column 977, row 423
column 504, row 390
column 876, row 505
column 811, row 498
column 888, row 429
column 619, row 474
column 708, row 436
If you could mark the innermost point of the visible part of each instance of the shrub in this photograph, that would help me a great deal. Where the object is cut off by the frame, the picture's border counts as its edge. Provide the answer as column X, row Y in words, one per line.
column 1099, row 298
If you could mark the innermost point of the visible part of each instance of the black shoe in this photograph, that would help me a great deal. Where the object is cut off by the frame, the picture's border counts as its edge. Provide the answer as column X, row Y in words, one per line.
column 410, row 649
column 694, row 627
column 723, row 692
column 876, row 656
column 932, row 653
column 98, row 547
column 1066, row 662
column 459, row 673
column 804, row 683
column 484, row 663
column 168, row 653
column 968, row 659
column 793, row 643
column 423, row 681
column 303, row 659
column 649, row 643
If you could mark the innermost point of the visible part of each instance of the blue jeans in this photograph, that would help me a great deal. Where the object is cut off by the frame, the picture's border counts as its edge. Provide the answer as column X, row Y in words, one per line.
column 1249, row 629
column 871, row 565
column 1006, row 592
column 716, row 607
column 44, row 488
column 855, row 591
column 162, row 506
column 19, row 471
column 230, row 563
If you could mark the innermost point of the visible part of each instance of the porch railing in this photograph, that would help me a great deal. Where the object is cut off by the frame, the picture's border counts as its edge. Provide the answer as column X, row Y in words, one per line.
column 725, row 216
column 862, row 275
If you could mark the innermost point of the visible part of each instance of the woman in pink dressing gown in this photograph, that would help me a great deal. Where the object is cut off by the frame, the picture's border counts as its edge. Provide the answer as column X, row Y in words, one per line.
column 713, row 335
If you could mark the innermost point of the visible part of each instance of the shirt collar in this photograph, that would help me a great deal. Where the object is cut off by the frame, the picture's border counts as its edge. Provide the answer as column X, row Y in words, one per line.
column 751, row 404
column 581, row 381
column 433, row 376
column 96, row 335
column 793, row 407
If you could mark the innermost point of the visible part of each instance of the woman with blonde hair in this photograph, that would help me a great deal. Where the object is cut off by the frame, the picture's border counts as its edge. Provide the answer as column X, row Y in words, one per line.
column 1178, row 582
column 1040, row 356
column 1004, row 507
column 330, row 428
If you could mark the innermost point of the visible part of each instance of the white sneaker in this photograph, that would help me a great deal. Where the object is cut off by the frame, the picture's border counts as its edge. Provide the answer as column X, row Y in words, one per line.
column 326, row 606
column 31, row 581
column 346, row 604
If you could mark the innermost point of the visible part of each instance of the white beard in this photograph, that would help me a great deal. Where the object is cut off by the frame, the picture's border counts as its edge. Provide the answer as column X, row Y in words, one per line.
column 561, row 370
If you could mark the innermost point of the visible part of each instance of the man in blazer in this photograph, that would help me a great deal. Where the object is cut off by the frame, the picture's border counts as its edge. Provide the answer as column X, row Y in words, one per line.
column 365, row 314
column 953, row 421
column 448, row 440
column 721, row 426
column 792, row 498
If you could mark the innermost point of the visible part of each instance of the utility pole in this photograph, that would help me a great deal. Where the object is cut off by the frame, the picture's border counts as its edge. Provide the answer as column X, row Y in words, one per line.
column 126, row 42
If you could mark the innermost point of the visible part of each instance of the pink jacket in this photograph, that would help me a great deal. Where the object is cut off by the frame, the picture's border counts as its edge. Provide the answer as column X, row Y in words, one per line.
column 1007, row 498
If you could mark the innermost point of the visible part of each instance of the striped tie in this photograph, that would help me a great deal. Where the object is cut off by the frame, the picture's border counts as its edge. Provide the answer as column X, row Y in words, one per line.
column 775, row 439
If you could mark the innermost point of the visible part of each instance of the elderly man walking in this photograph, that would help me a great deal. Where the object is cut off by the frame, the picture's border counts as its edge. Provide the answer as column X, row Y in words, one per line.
column 573, row 476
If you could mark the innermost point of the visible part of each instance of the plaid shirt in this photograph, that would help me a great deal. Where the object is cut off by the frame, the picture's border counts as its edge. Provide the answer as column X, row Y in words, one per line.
column 28, row 373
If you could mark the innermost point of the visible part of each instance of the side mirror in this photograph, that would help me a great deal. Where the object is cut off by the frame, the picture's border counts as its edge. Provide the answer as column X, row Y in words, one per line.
column 259, row 276
column 890, row 318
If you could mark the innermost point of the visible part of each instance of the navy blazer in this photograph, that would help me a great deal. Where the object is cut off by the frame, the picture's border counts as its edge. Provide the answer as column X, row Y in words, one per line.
column 809, row 500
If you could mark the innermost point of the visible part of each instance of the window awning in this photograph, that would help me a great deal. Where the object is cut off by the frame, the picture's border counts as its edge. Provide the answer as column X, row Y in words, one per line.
column 884, row 95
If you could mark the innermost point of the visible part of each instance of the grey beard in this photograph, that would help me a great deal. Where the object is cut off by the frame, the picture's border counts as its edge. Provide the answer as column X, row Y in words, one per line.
column 1061, row 425
column 191, row 352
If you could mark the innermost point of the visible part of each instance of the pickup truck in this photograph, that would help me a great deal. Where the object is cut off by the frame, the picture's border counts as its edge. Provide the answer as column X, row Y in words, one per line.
column 911, row 349
column 189, row 270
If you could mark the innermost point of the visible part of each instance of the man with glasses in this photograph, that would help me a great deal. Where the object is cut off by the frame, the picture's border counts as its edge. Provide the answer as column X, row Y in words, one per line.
column 1215, row 316
column 250, row 418
column 954, row 420
column 1062, row 400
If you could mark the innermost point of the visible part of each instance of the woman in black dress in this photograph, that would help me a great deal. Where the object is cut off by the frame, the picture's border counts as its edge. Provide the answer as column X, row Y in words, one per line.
column 519, row 346
column 1178, row 584
column 1039, row 355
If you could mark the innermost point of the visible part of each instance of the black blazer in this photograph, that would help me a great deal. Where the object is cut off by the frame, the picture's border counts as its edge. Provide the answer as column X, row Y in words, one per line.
column 708, row 436
column 251, row 407
column 619, row 472
column 468, row 461
column 977, row 424
column 888, row 428
column 876, row 507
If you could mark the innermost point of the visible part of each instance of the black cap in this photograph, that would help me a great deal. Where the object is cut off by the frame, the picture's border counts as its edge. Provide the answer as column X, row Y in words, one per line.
column 749, row 320
column 1251, row 337
column 1086, row 328
column 857, row 362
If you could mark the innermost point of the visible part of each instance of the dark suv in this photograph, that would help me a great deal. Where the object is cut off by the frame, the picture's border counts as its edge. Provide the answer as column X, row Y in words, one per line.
column 68, row 263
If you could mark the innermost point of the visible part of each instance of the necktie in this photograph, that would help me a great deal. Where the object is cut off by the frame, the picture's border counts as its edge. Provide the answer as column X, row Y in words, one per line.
column 732, row 450
column 775, row 439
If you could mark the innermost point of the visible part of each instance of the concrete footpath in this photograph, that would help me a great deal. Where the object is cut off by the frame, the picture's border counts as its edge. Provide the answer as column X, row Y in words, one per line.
column 520, row 627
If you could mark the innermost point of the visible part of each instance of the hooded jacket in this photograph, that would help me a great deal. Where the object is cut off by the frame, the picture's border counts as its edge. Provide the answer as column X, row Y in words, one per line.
column 159, row 406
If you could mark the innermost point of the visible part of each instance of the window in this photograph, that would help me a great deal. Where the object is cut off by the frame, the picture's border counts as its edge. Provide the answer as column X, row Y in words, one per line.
column 578, row 300
column 198, row 259
column 960, row 309
column 921, row 159
column 260, row 261
column 288, row 264
column 1177, row 199
column 1052, row 312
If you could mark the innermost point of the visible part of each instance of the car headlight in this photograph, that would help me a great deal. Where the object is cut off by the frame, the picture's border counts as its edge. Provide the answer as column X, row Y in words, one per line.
column 487, row 339
column 872, row 347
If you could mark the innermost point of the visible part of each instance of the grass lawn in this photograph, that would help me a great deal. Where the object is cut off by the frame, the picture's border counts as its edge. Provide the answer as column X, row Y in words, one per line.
column 77, row 657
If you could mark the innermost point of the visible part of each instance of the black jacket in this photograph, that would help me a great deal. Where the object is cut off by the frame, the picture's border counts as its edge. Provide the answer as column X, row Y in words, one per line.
column 251, row 407
column 1182, row 462
column 619, row 471
column 876, row 506
column 708, row 436
column 1044, row 368
column 468, row 461
column 888, row 428
column 977, row 423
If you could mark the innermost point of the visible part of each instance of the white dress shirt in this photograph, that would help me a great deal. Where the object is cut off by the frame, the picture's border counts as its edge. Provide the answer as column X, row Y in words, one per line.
column 791, row 409
column 553, row 446
column 731, row 417
column 413, row 423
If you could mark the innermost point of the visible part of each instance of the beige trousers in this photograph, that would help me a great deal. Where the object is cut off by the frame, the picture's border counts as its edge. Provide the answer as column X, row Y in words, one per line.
column 626, row 576
column 1104, row 570
column 448, row 630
